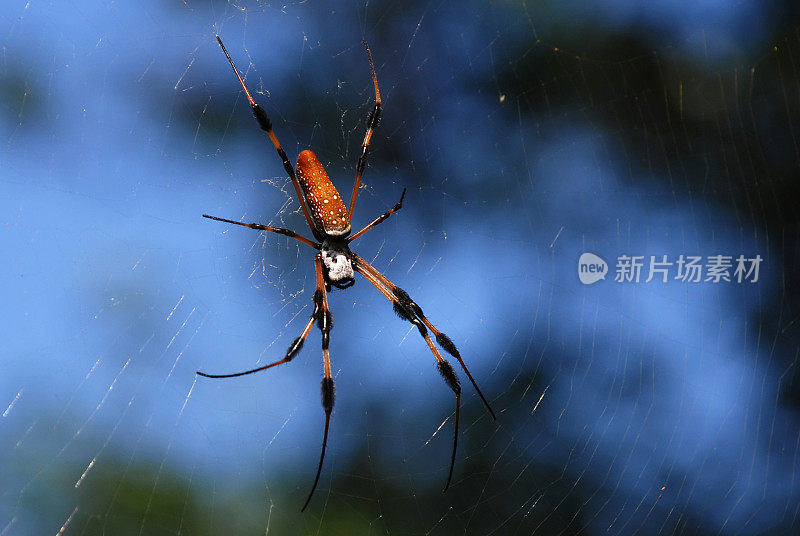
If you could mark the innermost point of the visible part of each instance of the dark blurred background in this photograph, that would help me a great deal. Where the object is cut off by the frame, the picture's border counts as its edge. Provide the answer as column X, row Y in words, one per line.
column 527, row 133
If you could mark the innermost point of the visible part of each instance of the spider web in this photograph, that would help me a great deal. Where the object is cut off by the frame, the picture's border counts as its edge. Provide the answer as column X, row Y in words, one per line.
column 527, row 134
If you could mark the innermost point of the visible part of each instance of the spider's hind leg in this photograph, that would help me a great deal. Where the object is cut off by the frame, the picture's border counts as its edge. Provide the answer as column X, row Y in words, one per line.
column 372, row 123
column 380, row 218
column 266, row 125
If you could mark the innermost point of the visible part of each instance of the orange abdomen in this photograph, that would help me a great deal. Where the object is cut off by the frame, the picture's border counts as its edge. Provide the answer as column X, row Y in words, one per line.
column 323, row 200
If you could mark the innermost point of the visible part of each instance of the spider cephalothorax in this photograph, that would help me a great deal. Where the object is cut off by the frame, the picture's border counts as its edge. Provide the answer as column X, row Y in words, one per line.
column 337, row 259
column 336, row 264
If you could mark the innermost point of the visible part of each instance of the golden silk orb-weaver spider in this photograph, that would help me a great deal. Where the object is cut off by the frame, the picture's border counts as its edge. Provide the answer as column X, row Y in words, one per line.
column 336, row 264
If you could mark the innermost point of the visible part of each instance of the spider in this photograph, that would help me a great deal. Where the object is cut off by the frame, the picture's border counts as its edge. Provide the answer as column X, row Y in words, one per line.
column 336, row 264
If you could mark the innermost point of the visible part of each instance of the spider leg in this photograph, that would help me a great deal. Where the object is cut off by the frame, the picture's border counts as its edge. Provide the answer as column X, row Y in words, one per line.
column 325, row 325
column 266, row 126
column 259, row 227
column 445, row 368
column 372, row 123
column 293, row 349
column 380, row 218
column 401, row 296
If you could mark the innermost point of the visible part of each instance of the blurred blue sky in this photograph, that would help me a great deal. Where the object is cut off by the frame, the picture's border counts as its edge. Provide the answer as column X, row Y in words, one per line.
column 122, row 124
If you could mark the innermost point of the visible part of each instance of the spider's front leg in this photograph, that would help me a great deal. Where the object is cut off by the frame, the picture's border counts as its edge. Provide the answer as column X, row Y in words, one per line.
column 325, row 326
column 293, row 349
column 409, row 312
column 408, row 309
